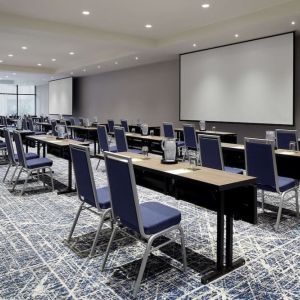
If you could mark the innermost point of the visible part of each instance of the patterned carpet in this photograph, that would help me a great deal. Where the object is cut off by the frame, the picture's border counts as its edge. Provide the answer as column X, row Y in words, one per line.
column 37, row 263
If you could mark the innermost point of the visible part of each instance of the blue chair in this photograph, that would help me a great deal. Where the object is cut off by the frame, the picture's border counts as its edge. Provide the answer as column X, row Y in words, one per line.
column 211, row 154
column 53, row 125
column 121, row 141
column 31, row 127
column 149, row 220
column 72, row 121
column 190, row 140
column 124, row 124
column 12, row 157
column 92, row 199
column 103, row 141
column 111, row 125
column 24, row 124
column 30, row 166
column 284, row 137
column 169, row 133
column 261, row 163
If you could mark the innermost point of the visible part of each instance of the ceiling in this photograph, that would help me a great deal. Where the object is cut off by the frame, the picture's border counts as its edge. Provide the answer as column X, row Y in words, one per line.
column 114, row 36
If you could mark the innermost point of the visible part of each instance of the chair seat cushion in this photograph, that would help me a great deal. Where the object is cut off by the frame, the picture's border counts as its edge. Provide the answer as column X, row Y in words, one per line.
column 157, row 217
column 233, row 170
column 79, row 139
column 39, row 133
column 180, row 143
column 28, row 156
column 137, row 151
column 286, row 183
column 39, row 163
column 2, row 144
column 103, row 196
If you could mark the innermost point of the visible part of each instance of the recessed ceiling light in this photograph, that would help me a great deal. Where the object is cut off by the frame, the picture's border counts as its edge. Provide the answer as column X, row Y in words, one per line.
column 39, row 64
column 205, row 5
column 10, row 55
column 72, row 73
column 148, row 26
column 84, row 70
column 71, row 53
column 136, row 58
column 86, row 12
column 194, row 45
column 24, row 48
column 293, row 22
column 236, row 35
column 1, row 61
column 53, row 59
column 116, row 62
column 98, row 66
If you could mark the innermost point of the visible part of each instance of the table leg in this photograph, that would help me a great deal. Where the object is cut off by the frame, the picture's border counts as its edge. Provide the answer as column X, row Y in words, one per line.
column 69, row 189
column 95, row 147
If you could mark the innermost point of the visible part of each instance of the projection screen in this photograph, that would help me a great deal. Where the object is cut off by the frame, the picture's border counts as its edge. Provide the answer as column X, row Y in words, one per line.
column 61, row 96
column 249, row 82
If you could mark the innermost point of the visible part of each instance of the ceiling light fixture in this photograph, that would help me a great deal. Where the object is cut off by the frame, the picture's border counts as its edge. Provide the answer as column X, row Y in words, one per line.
column 116, row 62
column 236, row 35
column 293, row 23
column 205, row 5
column 84, row 70
column 86, row 12
column 39, row 64
column 71, row 53
column 72, row 73
column 1, row 61
column 10, row 55
column 53, row 59
column 148, row 26
column 98, row 66
column 24, row 48
column 136, row 58
column 194, row 45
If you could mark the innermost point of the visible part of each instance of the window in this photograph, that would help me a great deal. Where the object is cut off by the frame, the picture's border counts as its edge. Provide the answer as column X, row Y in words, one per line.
column 17, row 99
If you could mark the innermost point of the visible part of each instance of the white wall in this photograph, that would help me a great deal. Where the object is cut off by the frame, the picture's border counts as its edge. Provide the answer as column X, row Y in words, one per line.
column 42, row 99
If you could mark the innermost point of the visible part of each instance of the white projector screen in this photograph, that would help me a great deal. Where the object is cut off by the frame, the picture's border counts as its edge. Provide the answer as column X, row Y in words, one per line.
column 61, row 96
column 249, row 82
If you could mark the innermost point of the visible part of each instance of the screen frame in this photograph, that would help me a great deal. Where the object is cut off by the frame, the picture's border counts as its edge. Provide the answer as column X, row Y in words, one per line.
column 232, row 44
column 72, row 94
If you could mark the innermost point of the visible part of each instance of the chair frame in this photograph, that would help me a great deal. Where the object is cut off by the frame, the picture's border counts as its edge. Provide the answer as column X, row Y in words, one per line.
column 121, row 128
column 108, row 142
column 282, row 194
column 145, row 238
column 29, row 171
column 287, row 131
column 125, row 121
column 113, row 122
column 11, row 160
column 102, row 213
column 188, row 151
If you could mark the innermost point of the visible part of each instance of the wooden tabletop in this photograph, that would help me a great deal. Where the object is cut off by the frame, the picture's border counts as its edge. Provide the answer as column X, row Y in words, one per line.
column 220, row 179
column 144, row 137
column 209, row 132
column 49, row 139
column 277, row 151
column 43, row 123
column 90, row 128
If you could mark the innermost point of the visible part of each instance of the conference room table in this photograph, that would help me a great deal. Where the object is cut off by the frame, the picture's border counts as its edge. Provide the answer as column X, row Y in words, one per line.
column 44, row 126
column 288, row 161
column 59, row 148
column 226, row 137
column 89, row 133
column 230, row 195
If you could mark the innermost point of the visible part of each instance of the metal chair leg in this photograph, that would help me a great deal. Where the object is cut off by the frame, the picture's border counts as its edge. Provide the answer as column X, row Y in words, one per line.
column 51, row 176
column 6, row 173
column 263, row 200
column 279, row 212
column 109, row 246
column 25, row 183
column 97, row 234
column 142, row 267
column 297, row 202
column 75, row 222
column 183, row 251
column 98, row 164
column 15, row 183
column 13, row 175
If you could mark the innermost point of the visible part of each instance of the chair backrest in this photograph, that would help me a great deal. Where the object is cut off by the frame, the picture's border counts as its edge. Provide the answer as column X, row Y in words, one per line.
column 168, row 130
column 30, row 124
column 24, row 124
column 20, row 149
column 81, row 121
column 123, row 193
column 63, row 122
column 260, row 162
column 124, row 124
column 102, row 138
column 210, row 151
column 9, row 146
column 284, row 137
column 189, row 134
column 84, row 176
column 111, row 125
column 53, row 124
column 121, row 141
column 72, row 121
column 5, row 121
